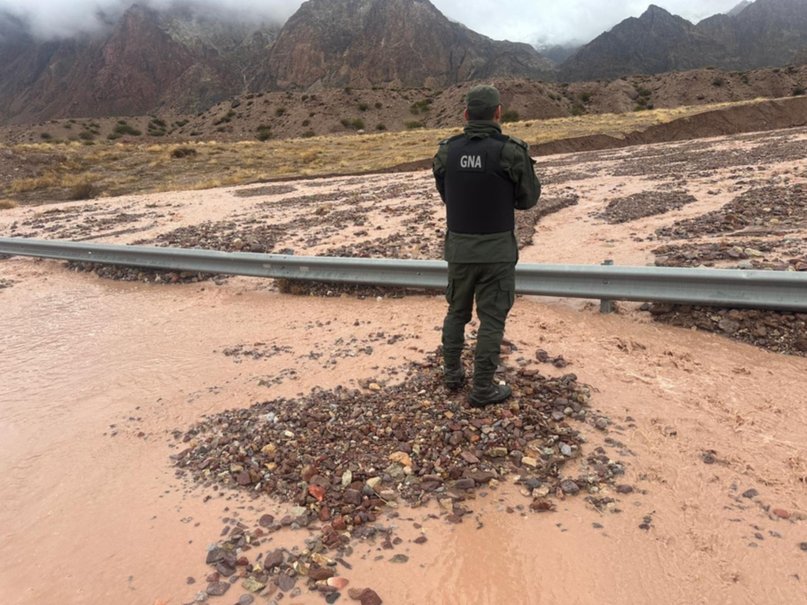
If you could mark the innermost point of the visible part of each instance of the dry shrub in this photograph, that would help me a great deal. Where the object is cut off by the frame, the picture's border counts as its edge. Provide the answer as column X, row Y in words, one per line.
column 183, row 152
column 49, row 179
column 83, row 191
column 309, row 156
column 7, row 204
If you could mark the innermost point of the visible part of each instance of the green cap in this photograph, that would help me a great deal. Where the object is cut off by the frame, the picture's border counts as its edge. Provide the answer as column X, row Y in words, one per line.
column 482, row 97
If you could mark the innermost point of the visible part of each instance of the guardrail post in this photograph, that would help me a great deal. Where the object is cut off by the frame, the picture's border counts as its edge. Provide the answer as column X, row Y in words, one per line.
column 606, row 304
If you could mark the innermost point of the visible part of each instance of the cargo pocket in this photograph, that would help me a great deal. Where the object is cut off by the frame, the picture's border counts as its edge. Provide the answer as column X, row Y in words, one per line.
column 450, row 291
column 506, row 294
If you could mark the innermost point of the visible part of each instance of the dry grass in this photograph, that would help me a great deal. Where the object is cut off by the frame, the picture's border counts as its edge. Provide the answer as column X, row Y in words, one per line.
column 117, row 169
column 8, row 204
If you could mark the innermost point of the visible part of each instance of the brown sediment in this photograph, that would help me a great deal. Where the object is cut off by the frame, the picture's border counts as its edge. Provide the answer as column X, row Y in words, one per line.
column 696, row 418
column 98, row 374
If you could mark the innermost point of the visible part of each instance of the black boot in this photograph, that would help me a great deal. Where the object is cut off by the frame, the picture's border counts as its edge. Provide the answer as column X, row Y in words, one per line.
column 489, row 395
column 454, row 376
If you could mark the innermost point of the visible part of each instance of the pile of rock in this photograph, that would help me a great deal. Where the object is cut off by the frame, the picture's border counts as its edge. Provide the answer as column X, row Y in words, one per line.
column 781, row 332
column 344, row 457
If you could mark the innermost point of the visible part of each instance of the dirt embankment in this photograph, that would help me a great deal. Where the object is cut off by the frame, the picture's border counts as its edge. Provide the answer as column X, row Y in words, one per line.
column 767, row 115
column 775, row 114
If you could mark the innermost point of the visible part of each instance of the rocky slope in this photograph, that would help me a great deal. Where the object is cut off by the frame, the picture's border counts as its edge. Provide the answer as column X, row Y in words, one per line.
column 760, row 34
column 147, row 61
column 285, row 114
column 183, row 64
column 185, row 61
column 399, row 43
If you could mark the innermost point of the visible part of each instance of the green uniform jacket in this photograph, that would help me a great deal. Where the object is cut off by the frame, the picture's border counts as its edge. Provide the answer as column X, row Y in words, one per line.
column 515, row 162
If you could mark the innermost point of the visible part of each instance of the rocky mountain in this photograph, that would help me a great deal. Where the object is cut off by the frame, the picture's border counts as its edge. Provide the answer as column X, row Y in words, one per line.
column 766, row 33
column 655, row 42
column 145, row 62
column 183, row 60
column 757, row 34
column 186, row 61
column 393, row 43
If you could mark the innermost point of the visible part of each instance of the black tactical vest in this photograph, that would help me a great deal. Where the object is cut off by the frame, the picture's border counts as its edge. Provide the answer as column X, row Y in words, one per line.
column 479, row 195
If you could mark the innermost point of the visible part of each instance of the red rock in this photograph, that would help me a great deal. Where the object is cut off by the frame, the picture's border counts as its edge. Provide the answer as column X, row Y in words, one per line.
column 339, row 523
column 321, row 573
column 542, row 506
column 469, row 458
column 781, row 513
column 217, row 589
column 266, row 520
column 317, row 491
column 370, row 597
column 273, row 559
column 352, row 496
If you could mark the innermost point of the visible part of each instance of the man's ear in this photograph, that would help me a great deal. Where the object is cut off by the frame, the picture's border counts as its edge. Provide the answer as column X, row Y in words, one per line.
column 497, row 116
column 467, row 115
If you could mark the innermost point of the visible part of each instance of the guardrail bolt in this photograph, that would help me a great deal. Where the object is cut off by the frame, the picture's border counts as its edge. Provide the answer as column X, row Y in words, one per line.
column 606, row 304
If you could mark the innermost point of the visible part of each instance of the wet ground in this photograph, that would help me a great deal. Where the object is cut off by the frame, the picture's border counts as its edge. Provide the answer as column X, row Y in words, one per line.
column 103, row 380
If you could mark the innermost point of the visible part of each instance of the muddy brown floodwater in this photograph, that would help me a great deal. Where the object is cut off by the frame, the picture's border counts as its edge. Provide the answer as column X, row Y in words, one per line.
column 98, row 374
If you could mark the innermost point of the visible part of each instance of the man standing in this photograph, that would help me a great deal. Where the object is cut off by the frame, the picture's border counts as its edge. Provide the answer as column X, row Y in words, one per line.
column 482, row 176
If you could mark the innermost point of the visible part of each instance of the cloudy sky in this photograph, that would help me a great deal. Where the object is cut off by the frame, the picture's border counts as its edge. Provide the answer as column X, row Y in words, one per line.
column 532, row 21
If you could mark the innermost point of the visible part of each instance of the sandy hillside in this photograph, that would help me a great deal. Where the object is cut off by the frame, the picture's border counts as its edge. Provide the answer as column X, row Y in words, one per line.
column 688, row 449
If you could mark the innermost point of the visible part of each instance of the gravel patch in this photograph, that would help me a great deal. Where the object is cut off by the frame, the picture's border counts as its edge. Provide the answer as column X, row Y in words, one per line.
column 780, row 332
column 768, row 210
column 83, row 222
column 646, row 203
column 777, row 255
column 698, row 157
column 267, row 190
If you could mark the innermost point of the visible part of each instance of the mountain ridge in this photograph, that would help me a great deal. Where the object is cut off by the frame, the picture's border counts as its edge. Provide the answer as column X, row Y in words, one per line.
column 397, row 43
column 185, row 60
column 764, row 33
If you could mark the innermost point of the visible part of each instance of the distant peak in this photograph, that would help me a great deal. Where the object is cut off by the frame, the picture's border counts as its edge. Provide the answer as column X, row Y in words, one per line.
column 655, row 11
column 739, row 8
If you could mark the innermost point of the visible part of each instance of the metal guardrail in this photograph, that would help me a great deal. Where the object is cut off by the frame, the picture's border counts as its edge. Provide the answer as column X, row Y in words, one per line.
column 717, row 287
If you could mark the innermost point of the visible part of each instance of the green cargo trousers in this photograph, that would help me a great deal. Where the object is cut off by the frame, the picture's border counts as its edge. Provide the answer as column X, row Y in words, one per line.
column 494, row 286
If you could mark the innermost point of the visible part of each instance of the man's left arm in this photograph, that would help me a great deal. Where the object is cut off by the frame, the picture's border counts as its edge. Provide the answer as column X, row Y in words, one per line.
column 521, row 168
